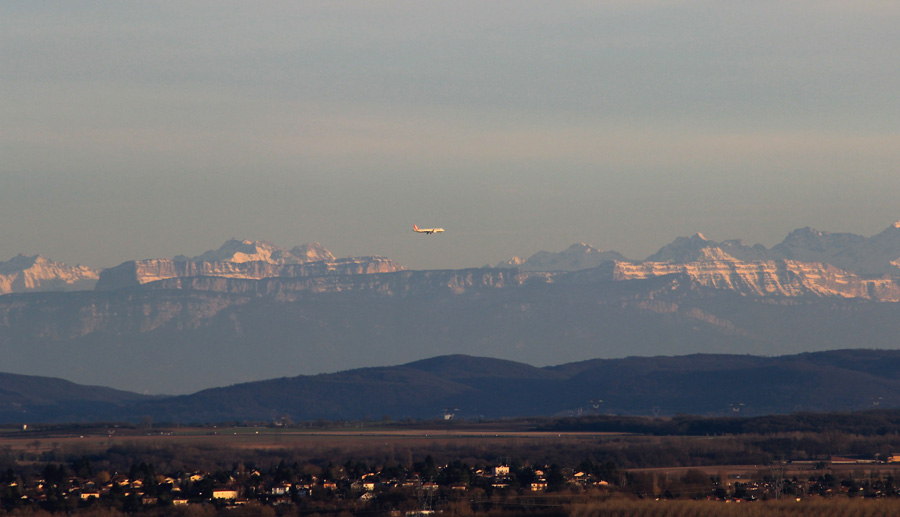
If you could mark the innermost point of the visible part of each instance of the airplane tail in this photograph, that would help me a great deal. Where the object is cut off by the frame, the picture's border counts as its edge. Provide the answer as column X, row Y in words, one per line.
column 415, row 228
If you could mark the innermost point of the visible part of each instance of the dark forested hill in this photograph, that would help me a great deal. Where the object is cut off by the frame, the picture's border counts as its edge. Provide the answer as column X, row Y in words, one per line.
column 475, row 387
column 29, row 398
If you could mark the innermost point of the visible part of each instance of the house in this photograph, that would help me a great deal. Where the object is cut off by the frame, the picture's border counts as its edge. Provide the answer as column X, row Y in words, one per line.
column 539, row 486
column 224, row 493
column 281, row 489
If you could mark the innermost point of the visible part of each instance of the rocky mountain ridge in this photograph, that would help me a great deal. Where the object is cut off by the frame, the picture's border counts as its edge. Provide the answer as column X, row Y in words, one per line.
column 37, row 273
column 234, row 259
column 807, row 262
column 167, row 326
column 760, row 278
column 140, row 272
column 242, row 251
column 716, row 270
column 246, row 260
column 694, row 248
column 390, row 283
column 865, row 256
column 876, row 255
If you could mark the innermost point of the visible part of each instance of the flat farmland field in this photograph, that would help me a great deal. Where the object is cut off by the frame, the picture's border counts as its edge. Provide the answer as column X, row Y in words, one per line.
column 381, row 443
column 275, row 437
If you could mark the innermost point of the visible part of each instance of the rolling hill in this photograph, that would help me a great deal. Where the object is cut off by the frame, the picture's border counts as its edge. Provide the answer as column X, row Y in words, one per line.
column 476, row 387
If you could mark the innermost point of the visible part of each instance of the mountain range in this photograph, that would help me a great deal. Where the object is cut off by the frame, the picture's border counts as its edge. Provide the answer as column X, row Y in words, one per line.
column 476, row 387
column 251, row 310
column 865, row 257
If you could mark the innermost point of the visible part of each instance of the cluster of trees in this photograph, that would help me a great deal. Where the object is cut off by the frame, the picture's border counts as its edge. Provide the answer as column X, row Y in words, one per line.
column 864, row 423
column 625, row 451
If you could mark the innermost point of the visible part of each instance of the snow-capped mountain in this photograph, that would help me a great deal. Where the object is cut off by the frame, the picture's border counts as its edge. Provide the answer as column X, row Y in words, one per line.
column 876, row 255
column 795, row 265
column 261, row 251
column 689, row 249
column 253, row 310
column 36, row 273
column 246, row 260
column 807, row 263
column 779, row 278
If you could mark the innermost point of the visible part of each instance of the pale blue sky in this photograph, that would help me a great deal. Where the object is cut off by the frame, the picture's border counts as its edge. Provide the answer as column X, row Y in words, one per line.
column 151, row 129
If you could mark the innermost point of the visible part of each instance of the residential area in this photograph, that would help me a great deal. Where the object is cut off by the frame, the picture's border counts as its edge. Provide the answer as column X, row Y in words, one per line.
column 421, row 488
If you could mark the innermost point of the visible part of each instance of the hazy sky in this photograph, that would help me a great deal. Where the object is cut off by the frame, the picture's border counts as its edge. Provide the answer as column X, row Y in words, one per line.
column 150, row 129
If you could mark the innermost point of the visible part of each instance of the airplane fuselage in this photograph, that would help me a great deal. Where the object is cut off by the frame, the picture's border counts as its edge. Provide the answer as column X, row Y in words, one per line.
column 427, row 231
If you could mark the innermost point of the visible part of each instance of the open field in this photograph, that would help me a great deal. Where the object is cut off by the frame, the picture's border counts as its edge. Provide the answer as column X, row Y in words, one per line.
column 399, row 442
column 99, row 438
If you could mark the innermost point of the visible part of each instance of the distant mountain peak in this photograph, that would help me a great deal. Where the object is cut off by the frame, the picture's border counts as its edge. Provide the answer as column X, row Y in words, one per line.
column 698, row 248
column 713, row 253
column 513, row 262
column 18, row 263
column 805, row 232
column 24, row 273
column 684, row 249
column 576, row 257
column 312, row 252
column 240, row 251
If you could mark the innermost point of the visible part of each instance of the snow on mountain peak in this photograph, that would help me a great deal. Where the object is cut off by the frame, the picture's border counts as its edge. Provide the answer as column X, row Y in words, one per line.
column 312, row 252
column 580, row 248
column 240, row 251
column 714, row 253
column 36, row 273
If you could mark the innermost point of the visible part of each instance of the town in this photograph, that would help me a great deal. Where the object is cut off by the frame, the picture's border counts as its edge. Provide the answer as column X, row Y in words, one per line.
column 311, row 475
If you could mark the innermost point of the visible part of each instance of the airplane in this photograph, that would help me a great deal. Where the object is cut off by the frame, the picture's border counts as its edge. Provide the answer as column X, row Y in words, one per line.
column 429, row 231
